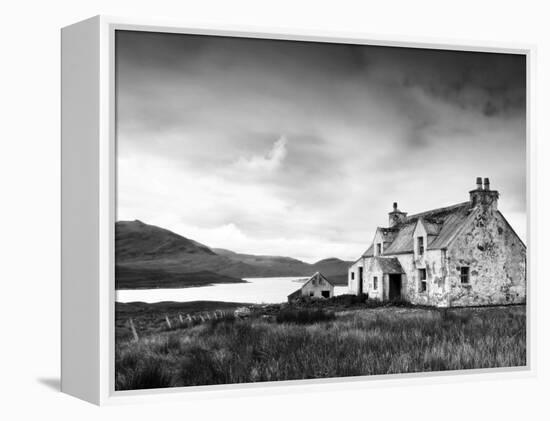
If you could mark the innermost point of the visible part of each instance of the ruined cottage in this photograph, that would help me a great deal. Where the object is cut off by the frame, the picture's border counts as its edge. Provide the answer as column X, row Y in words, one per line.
column 461, row 255
column 315, row 287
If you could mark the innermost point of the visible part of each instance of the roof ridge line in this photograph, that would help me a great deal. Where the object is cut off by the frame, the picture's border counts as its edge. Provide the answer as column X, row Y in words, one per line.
column 457, row 205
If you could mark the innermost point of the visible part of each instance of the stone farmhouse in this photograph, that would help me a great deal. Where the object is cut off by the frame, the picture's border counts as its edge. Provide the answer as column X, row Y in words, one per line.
column 461, row 255
column 316, row 287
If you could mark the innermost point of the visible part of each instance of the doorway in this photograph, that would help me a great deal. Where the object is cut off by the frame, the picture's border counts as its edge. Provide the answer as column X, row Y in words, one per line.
column 394, row 292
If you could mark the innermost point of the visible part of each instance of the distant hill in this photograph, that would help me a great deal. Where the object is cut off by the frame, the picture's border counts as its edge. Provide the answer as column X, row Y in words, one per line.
column 137, row 241
column 332, row 266
column 334, row 269
column 278, row 264
column 148, row 255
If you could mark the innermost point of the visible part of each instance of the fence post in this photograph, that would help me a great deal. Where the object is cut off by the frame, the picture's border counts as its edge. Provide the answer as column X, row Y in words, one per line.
column 134, row 332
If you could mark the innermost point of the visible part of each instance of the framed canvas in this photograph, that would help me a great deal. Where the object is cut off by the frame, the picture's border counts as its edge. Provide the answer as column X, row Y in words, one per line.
column 247, row 210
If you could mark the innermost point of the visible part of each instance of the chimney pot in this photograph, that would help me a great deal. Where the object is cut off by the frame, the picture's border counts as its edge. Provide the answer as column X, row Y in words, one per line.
column 478, row 183
column 486, row 184
column 394, row 206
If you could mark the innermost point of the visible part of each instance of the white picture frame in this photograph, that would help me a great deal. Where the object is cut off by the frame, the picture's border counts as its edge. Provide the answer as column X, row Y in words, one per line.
column 88, row 212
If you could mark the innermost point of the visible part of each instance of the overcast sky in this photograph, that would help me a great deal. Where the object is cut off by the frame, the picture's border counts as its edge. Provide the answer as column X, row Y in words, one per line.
column 299, row 149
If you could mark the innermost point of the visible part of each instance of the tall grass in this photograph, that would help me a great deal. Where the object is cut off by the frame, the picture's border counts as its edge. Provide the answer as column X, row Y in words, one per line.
column 304, row 316
column 359, row 342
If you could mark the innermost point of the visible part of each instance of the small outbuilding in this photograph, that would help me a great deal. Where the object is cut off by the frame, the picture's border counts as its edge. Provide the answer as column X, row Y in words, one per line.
column 316, row 287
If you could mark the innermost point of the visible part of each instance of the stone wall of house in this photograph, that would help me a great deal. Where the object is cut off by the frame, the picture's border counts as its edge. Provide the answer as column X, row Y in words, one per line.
column 373, row 270
column 496, row 258
column 434, row 263
column 352, row 280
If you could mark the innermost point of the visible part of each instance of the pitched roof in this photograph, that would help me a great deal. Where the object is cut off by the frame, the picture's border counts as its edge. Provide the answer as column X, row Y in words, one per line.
column 318, row 276
column 295, row 294
column 441, row 224
column 369, row 251
column 389, row 264
column 432, row 227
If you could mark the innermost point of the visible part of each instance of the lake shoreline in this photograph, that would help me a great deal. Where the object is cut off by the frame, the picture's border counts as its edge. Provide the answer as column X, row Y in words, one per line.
column 138, row 277
column 176, row 285
column 179, row 286
column 251, row 290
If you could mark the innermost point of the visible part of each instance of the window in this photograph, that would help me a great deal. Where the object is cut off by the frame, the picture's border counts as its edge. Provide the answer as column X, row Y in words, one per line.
column 311, row 294
column 423, row 284
column 325, row 294
column 464, row 275
column 352, row 276
column 375, row 283
column 378, row 248
column 420, row 241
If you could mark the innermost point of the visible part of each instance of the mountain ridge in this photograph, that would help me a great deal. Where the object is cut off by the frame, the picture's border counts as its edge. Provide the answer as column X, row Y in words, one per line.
column 170, row 258
column 136, row 239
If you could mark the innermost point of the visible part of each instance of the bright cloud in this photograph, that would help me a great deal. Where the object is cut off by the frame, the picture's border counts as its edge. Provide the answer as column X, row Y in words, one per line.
column 269, row 162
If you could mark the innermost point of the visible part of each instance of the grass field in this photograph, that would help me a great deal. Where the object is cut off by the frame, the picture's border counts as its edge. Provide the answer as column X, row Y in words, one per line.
column 150, row 319
column 308, row 343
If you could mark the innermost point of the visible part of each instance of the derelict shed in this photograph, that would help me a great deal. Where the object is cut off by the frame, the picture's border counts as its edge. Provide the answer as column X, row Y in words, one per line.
column 316, row 287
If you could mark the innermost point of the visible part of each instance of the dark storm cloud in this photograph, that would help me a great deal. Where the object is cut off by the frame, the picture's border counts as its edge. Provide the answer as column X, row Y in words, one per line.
column 490, row 83
column 266, row 140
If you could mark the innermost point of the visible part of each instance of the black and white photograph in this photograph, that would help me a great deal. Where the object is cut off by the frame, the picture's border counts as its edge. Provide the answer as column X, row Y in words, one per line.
column 291, row 210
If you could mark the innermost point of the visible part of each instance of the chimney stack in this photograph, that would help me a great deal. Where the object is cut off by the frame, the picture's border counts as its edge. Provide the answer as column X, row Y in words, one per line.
column 483, row 195
column 396, row 216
